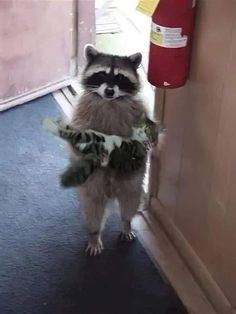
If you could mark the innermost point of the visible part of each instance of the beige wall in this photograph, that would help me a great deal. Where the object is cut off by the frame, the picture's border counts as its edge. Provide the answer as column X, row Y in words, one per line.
column 198, row 175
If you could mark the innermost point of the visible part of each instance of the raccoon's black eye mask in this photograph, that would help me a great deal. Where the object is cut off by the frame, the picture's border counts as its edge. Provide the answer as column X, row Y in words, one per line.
column 97, row 79
column 124, row 83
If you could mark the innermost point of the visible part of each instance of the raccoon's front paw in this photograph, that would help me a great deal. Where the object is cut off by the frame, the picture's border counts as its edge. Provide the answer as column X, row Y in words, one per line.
column 94, row 248
column 127, row 236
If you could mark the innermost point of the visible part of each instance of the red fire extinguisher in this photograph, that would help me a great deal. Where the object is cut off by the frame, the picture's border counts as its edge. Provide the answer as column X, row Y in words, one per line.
column 171, row 36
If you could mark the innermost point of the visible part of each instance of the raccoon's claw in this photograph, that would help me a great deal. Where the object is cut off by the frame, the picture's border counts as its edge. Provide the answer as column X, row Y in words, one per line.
column 127, row 237
column 104, row 160
column 148, row 145
column 94, row 249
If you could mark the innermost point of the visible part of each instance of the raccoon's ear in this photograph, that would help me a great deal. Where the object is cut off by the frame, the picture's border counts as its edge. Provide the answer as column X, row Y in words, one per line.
column 90, row 52
column 136, row 59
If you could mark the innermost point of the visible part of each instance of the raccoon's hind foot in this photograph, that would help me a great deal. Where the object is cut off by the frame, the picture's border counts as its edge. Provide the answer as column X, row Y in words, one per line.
column 127, row 235
column 95, row 245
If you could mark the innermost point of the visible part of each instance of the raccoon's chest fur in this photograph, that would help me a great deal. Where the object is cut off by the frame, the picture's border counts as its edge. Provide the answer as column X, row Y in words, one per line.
column 113, row 117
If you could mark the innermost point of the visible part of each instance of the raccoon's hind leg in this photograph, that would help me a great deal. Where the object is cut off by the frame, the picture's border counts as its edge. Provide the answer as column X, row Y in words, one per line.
column 129, row 198
column 94, row 210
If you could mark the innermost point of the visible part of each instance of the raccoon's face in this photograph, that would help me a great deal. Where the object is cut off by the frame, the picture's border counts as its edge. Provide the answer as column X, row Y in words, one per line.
column 111, row 76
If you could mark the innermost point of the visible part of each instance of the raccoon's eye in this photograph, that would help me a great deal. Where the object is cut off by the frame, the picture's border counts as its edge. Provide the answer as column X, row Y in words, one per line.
column 101, row 75
column 119, row 77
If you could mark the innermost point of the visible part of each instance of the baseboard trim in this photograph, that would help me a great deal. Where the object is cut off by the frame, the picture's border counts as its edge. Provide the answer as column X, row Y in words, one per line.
column 68, row 97
column 166, row 258
column 201, row 275
column 19, row 100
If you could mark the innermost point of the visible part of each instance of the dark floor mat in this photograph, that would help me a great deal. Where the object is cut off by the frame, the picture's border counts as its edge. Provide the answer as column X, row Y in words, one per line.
column 43, row 268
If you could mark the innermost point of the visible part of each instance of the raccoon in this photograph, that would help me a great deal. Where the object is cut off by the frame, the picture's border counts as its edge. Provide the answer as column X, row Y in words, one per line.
column 109, row 104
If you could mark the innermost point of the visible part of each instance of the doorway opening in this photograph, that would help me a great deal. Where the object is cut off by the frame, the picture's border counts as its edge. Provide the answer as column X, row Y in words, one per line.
column 122, row 30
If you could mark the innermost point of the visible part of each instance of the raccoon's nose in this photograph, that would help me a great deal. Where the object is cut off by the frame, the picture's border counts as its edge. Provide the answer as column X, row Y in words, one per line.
column 109, row 92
